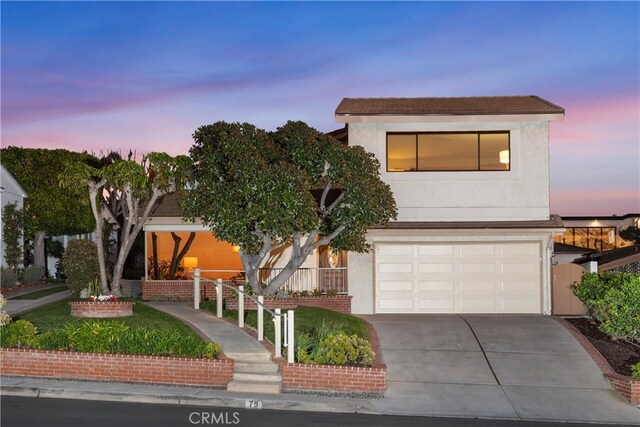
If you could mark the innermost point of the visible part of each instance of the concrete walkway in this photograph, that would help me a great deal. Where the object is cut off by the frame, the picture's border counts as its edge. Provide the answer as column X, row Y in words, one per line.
column 16, row 307
column 495, row 366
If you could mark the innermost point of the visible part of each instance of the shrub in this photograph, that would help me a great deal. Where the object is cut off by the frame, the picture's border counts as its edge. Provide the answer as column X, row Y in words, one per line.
column 80, row 264
column 53, row 340
column 593, row 286
column 95, row 336
column 8, row 279
column 19, row 334
column 12, row 231
column 32, row 274
column 5, row 319
column 635, row 370
column 619, row 310
column 340, row 349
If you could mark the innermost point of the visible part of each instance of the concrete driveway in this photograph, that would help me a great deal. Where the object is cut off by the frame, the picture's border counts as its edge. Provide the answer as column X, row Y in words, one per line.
column 499, row 366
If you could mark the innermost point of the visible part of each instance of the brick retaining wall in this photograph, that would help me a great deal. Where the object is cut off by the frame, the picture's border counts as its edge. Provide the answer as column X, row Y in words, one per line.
column 116, row 367
column 179, row 290
column 348, row 379
column 101, row 309
column 626, row 386
column 339, row 303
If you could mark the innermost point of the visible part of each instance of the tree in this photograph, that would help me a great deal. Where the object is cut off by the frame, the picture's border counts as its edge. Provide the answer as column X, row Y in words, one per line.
column 138, row 188
column 631, row 233
column 12, row 227
column 49, row 210
column 256, row 189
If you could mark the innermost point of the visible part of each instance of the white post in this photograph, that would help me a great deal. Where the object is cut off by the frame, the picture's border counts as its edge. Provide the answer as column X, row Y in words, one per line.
column 196, row 289
column 285, row 340
column 278, row 340
column 240, row 306
column 219, row 298
column 260, row 318
column 290, row 332
column 593, row 266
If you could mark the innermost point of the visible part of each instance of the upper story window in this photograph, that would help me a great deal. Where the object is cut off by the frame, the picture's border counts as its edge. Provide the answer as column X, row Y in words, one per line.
column 448, row 151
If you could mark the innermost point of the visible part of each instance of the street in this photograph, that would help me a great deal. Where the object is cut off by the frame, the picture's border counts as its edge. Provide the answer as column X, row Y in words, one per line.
column 35, row 412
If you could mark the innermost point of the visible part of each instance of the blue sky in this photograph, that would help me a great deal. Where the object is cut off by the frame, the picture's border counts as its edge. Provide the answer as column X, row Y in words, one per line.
column 98, row 76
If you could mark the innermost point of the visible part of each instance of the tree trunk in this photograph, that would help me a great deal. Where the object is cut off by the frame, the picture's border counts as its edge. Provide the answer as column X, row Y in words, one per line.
column 156, row 267
column 93, row 197
column 177, row 259
column 174, row 255
column 127, row 242
column 38, row 249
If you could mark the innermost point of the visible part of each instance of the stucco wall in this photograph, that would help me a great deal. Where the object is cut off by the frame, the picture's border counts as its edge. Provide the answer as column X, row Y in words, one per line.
column 519, row 194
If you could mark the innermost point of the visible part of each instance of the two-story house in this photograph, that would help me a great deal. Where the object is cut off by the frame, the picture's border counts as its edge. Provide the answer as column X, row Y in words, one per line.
column 471, row 180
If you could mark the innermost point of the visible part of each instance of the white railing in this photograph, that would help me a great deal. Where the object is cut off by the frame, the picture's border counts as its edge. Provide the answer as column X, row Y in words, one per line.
column 278, row 316
column 324, row 279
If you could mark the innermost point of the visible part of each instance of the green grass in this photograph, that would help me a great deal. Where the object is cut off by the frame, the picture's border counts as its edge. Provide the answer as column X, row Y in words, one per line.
column 58, row 314
column 42, row 293
column 305, row 319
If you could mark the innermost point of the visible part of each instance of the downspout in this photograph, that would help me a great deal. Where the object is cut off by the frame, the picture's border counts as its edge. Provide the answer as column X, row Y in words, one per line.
column 549, row 288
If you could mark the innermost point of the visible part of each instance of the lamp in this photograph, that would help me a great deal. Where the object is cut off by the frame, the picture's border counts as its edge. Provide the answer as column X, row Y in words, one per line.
column 236, row 248
column 190, row 262
column 504, row 157
column 332, row 258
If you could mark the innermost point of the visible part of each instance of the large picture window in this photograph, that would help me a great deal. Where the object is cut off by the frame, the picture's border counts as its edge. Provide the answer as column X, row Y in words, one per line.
column 448, row 151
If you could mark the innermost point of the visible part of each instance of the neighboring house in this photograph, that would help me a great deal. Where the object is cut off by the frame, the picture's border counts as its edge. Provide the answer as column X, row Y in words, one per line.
column 601, row 233
column 10, row 193
column 626, row 260
column 474, row 234
column 566, row 254
column 471, row 180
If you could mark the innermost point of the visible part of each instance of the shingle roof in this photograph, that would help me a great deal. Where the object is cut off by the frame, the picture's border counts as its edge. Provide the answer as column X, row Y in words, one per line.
column 477, row 105
column 554, row 222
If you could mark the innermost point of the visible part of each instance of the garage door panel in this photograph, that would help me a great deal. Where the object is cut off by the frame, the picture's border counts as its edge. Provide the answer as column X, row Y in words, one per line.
column 458, row 278
column 432, row 267
column 436, row 285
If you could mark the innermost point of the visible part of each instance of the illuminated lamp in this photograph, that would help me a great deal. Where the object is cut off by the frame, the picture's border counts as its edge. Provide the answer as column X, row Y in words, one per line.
column 236, row 248
column 504, row 157
column 190, row 262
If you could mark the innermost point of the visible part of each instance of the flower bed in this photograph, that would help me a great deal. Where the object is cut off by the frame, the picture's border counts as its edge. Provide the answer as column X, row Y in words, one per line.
column 102, row 309
column 339, row 303
column 366, row 380
column 116, row 367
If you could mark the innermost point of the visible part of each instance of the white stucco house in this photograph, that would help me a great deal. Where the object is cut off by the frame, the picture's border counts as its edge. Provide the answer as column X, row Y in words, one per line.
column 471, row 180
column 474, row 234
column 10, row 193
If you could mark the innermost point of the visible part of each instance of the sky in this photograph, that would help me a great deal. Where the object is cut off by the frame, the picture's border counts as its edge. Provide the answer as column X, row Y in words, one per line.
column 99, row 76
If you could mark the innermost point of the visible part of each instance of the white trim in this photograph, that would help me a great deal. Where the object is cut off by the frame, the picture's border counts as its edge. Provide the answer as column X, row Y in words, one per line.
column 380, row 118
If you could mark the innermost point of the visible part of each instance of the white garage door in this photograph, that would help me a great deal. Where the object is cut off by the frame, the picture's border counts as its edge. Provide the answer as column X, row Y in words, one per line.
column 458, row 278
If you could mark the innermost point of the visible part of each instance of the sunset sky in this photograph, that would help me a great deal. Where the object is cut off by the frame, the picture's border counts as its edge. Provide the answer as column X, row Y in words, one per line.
column 102, row 76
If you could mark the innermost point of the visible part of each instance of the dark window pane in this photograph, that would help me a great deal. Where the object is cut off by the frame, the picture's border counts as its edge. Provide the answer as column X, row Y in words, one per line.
column 401, row 153
column 451, row 151
column 494, row 151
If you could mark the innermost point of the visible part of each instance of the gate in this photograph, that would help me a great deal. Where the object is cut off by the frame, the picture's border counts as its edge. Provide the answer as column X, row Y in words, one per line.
column 564, row 302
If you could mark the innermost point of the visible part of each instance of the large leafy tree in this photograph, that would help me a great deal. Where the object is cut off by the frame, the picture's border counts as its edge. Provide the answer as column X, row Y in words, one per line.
column 125, row 192
column 294, row 187
column 49, row 210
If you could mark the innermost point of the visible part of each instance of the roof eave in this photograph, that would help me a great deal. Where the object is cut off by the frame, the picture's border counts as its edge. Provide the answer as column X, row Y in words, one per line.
column 447, row 118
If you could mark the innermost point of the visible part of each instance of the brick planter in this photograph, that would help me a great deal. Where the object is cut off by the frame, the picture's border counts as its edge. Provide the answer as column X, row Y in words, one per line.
column 339, row 303
column 331, row 378
column 116, row 367
column 101, row 309
column 627, row 386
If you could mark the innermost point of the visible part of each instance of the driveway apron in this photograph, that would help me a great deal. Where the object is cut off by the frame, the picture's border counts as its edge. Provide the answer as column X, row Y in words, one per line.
column 499, row 366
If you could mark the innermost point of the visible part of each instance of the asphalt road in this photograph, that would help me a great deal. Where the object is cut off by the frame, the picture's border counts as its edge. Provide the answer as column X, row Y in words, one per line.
column 35, row 412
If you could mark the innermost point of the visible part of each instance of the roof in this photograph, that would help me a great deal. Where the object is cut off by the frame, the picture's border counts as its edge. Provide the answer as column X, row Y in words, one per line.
column 341, row 134
column 477, row 105
column 553, row 222
column 16, row 185
column 617, row 256
column 563, row 248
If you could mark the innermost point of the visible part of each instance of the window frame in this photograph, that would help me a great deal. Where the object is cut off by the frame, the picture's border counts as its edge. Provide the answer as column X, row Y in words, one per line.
column 478, row 133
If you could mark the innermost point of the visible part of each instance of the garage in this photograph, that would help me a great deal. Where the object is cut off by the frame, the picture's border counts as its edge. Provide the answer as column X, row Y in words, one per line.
column 464, row 277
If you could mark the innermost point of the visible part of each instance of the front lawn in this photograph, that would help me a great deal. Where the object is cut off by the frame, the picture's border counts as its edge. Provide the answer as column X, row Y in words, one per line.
column 42, row 293
column 305, row 319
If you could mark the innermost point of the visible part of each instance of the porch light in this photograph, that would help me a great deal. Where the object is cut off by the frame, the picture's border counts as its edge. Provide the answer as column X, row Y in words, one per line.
column 190, row 262
column 332, row 258
column 504, row 157
column 236, row 248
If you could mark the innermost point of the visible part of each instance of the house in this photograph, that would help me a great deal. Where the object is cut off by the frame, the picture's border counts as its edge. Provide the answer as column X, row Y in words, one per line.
column 565, row 254
column 10, row 193
column 471, row 180
column 474, row 233
column 601, row 233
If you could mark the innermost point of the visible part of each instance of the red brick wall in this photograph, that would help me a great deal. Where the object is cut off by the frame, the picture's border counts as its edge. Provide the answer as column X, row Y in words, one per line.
column 339, row 303
column 116, row 367
column 627, row 386
column 333, row 378
column 179, row 290
column 101, row 309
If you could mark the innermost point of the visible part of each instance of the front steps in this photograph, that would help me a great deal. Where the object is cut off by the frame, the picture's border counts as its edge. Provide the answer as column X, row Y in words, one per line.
column 254, row 373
